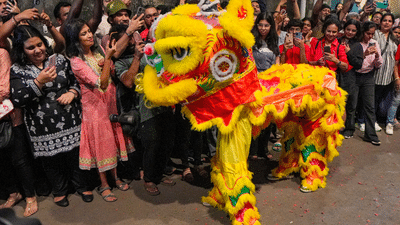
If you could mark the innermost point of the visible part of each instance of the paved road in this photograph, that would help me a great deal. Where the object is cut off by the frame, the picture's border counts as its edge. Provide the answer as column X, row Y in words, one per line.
column 363, row 188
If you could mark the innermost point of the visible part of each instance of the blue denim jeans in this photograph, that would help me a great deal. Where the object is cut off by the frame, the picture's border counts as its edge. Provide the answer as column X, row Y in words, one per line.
column 393, row 108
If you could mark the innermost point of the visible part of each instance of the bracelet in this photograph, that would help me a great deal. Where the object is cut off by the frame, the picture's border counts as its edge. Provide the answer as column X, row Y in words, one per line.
column 15, row 21
column 306, row 41
column 39, row 81
column 338, row 64
column 50, row 26
column 73, row 92
column 129, row 35
column 396, row 78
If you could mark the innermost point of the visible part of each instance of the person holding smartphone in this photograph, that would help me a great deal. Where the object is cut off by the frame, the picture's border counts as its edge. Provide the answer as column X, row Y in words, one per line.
column 327, row 50
column 365, row 79
column 49, row 95
column 347, row 80
column 294, row 51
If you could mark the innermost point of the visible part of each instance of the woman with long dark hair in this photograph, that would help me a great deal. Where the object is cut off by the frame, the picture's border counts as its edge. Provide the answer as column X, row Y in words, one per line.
column 306, row 30
column 327, row 51
column 48, row 92
column 265, row 50
column 102, row 142
column 384, row 79
column 347, row 80
column 365, row 79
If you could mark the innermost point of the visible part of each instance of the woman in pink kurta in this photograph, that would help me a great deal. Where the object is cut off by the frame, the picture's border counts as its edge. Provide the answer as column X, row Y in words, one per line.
column 102, row 142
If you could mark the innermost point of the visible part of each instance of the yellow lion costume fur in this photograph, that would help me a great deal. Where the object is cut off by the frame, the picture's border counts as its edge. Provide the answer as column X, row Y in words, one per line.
column 201, row 58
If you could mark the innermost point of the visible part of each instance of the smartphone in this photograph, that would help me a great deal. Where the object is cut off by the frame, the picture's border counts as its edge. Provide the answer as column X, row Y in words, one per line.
column 298, row 35
column 382, row 5
column 39, row 5
column 327, row 49
column 289, row 38
column 52, row 60
column 12, row 2
column 137, row 37
column 371, row 44
column 283, row 9
column 140, row 11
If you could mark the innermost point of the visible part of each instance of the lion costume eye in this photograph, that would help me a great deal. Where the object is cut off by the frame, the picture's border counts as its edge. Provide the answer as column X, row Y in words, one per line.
column 180, row 53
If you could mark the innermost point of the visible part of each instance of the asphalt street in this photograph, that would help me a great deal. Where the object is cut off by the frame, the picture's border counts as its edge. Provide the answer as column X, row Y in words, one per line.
column 363, row 188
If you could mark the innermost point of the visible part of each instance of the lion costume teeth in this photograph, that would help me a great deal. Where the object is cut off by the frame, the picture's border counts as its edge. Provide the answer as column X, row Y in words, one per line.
column 202, row 58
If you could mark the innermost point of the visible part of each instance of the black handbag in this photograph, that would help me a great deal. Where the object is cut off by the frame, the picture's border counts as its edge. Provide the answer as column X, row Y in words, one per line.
column 6, row 135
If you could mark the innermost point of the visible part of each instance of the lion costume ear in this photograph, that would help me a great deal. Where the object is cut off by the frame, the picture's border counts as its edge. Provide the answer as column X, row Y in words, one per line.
column 238, row 21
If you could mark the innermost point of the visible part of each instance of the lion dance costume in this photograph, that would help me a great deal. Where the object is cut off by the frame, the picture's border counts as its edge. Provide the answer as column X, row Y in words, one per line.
column 201, row 58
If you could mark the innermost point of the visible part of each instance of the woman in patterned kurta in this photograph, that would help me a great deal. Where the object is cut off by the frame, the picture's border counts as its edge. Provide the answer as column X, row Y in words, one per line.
column 48, row 94
column 102, row 142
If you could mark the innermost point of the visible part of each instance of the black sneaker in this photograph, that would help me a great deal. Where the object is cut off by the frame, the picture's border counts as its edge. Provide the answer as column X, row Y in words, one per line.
column 374, row 142
column 377, row 143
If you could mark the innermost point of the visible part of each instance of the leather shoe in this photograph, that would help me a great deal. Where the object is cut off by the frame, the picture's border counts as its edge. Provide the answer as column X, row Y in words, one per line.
column 87, row 198
column 63, row 203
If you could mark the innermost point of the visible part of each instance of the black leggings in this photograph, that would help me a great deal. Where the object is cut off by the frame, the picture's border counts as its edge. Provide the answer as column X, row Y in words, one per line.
column 17, row 164
column 63, row 168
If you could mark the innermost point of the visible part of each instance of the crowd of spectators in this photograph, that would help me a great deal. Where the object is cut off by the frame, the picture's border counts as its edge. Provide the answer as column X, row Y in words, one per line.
column 76, row 109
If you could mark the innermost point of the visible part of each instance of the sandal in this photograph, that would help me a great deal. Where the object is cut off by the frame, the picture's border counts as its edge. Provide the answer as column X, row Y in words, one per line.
column 273, row 178
column 305, row 189
column 108, row 198
column 151, row 188
column 167, row 181
column 122, row 185
column 31, row 207
column 11, row 201
column 277, row 147
column 187, row 175
column 201, row 171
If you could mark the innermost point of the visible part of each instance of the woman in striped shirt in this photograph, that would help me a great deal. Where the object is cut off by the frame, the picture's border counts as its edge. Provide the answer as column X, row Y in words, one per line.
column 384, row 75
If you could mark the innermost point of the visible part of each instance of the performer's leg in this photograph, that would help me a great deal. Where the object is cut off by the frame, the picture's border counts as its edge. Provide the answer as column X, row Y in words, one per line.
column 314, row 169
column 233, row 189
column 290, row 155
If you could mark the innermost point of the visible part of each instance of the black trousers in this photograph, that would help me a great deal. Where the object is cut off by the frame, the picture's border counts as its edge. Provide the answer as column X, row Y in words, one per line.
column 157, row 136
column 197, row 144
column 63, row 168
column 182, row 136
column 259, row 146
column 365, row 89
column 349, row 85
column 16, row 164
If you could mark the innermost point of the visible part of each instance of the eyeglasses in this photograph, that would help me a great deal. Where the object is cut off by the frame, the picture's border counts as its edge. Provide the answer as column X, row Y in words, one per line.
column 151, row 15
column 263, row 25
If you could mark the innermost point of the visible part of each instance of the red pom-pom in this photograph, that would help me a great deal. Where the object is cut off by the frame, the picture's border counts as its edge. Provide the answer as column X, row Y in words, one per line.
column 148, row 50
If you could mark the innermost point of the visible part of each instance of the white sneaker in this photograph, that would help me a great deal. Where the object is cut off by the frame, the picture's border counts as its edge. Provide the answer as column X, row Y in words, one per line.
column 389, row 128
column 361, row 127
column 377, row 127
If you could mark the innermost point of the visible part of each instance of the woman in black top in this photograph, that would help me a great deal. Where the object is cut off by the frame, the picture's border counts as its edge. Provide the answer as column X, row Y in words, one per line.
column 347, row 80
